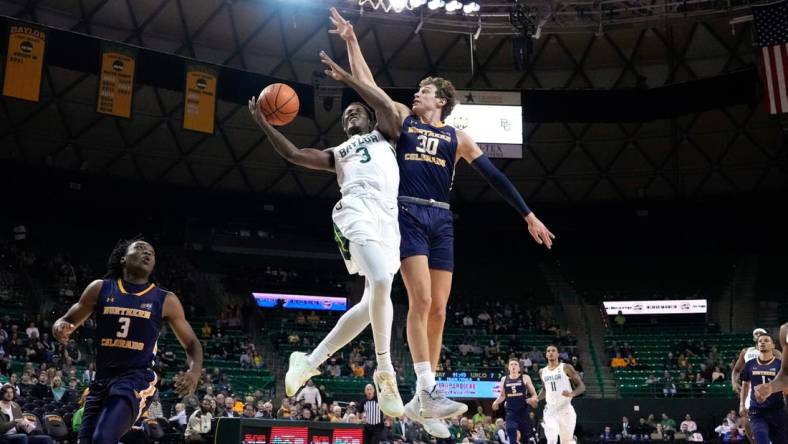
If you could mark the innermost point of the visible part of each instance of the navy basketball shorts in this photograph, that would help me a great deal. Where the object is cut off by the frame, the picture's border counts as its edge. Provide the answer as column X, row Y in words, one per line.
column 521, row 423
column 137, row 386
column 769, row 425
column 427, row 231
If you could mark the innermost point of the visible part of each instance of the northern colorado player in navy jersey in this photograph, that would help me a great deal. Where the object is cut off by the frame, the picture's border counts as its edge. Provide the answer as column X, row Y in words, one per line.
column 768, row 419
column 514, row 388
column 130, row 310
column 427, row 152
column 780, row 382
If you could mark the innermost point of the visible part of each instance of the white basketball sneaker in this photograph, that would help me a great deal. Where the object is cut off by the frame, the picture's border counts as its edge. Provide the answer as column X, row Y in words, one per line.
column 388, row 394
column 435, row 427
column 298, row 373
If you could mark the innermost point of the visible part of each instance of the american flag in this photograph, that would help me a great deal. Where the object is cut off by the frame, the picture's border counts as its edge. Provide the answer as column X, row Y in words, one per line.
column 771, row 32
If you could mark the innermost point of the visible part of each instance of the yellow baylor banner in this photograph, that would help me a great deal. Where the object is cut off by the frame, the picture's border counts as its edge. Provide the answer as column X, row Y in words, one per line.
column 24, row 61
column 116, row 81
column 199, row 98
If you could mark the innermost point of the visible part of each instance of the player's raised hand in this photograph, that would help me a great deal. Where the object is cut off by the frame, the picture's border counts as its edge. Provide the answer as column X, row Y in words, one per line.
column 257, row 115
column 187, row 383
column 762, row 392
column 539, row 231
column 334, row 70
column 343, row 28
column 62, row 330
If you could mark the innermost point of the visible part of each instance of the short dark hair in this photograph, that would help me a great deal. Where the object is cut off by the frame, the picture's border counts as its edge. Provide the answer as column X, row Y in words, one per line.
column 445, row 90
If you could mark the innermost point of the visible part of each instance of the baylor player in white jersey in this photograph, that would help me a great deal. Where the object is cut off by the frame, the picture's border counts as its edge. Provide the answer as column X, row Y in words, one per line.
column 746, row 355
column 557, row 381
column 367, row 230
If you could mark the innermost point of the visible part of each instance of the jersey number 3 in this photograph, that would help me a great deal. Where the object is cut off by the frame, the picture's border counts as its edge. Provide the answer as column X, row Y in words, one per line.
column 365, row 157
column 124, row 327
column 427, row 145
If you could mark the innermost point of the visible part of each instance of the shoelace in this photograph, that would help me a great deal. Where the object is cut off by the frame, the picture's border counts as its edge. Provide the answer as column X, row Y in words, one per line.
column 388, row 385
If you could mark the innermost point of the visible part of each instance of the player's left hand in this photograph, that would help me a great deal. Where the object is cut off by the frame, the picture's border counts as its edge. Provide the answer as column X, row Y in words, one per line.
column 187, row 383
column 762, row 392
column 533, row 401
column 334, row 70
column 567, row 393
column 539, row 231
column 343, row 27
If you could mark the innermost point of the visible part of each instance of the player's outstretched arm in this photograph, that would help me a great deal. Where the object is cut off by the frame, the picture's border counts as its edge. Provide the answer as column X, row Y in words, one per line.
column 736, row 372
column 174, row 315
column 470, row 151
column 580, row 386
column 389, row 120
column 78, row 313
column 306, row 157
column 358, row 65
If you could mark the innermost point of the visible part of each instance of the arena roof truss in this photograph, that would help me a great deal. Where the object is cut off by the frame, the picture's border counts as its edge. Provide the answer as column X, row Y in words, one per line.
column 728, row 150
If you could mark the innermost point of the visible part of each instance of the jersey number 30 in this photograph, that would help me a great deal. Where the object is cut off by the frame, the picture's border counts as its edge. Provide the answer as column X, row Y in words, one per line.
column 124, row 327
column 427, row 145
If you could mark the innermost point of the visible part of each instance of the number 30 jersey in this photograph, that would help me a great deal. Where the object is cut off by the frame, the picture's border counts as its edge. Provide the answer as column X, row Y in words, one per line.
column 128, row 322
column 426, row 156
column 366, row 164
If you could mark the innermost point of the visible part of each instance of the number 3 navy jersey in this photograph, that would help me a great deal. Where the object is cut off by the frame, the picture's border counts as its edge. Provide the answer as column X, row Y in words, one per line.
column 128, row 322
column 757, row 373
column 426, row 154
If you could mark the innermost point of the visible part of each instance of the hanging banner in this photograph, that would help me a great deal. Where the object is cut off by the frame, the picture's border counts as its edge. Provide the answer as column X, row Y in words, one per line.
column 24, row 61
column 116, row 80
column 199, row 98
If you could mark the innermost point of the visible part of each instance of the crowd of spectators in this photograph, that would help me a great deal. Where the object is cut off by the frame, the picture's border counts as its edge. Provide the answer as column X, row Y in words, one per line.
column 698, row 365
column 665, row 428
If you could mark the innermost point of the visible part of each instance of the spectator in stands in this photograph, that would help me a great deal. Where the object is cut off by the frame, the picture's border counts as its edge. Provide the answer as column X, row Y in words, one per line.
column 284, row 409
column 575, row 363
column 41, row 390
column 658, row 434
column 155, row 409
column 313, row 319
column 467, row 321
column 15, row 428
column 668, row 423
column 32, row 331
column 717, row 376
column 618, row 361
column 643, row 429
column 57, row 389
column 336, row 414
column 620, row 320
column 248, row 411
column 691, row 425
column 607, row 435
column 479, row 416
column 199, row 425
column 206, row 330
column 626, row 429
column 668, row 386
column 500, row 432
column 179, row 419
column 669, row 362
column 682, row 434
column 357, row 370
column 310, row 395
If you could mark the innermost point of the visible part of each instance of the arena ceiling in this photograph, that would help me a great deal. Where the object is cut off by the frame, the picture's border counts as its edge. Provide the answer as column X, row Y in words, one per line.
column 614, row 44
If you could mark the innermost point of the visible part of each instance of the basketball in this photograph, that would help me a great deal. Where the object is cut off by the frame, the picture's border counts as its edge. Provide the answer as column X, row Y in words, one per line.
column 278, row 103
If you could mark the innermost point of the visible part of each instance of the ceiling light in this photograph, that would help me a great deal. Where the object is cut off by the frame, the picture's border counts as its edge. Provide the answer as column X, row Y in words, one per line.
column 398, row 5
column 453, row 5
column 416, row 3
column 435, row 4
column 471, row 7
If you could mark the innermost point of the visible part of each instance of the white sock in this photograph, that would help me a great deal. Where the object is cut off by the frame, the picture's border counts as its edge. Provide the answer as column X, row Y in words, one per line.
column 425, row 378
column 371, row 260
column 350, row 325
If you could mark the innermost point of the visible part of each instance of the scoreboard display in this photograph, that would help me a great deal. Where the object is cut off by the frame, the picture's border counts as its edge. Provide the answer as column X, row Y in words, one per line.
column 266, row 431
column 477, row 385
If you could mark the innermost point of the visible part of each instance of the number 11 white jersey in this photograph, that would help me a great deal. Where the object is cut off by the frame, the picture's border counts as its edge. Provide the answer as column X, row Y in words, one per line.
column 555, row 382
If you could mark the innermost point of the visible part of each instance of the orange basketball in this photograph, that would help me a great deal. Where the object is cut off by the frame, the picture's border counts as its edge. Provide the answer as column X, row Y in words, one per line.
column 279, row 104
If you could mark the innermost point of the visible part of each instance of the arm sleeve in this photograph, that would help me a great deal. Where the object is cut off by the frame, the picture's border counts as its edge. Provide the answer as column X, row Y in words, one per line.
column 500, row 183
